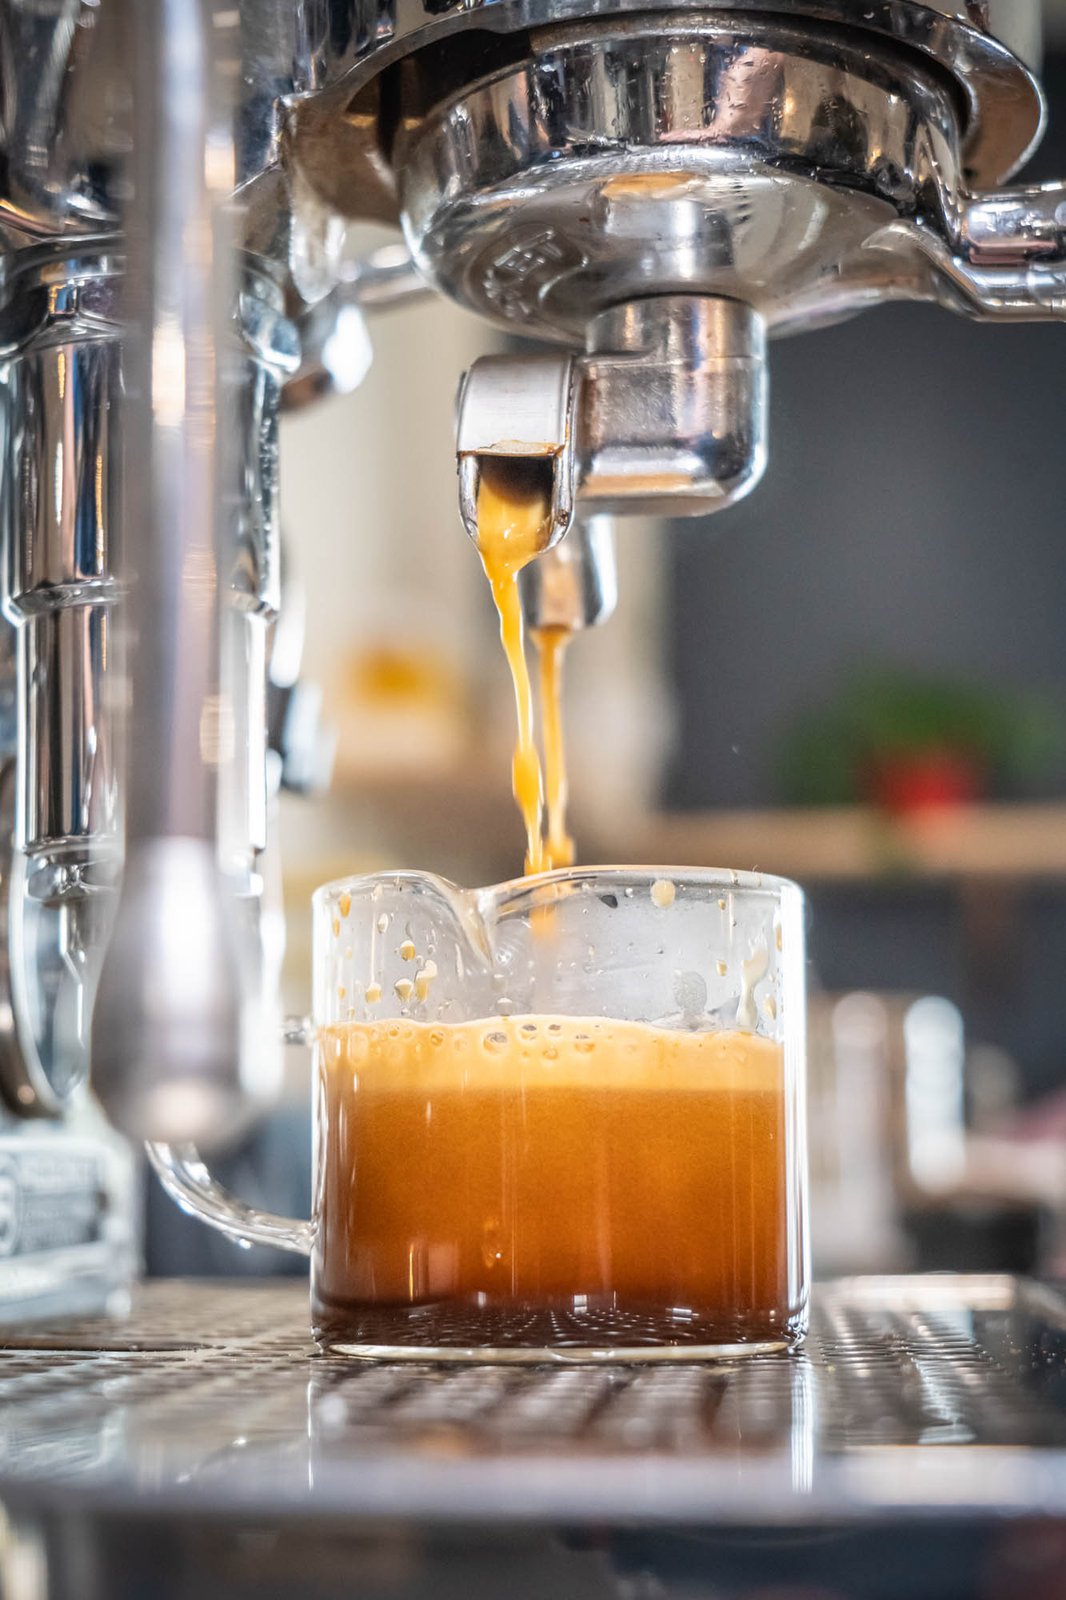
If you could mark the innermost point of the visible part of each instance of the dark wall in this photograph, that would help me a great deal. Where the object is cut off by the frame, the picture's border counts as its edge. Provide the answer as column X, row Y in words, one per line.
column 913, row 513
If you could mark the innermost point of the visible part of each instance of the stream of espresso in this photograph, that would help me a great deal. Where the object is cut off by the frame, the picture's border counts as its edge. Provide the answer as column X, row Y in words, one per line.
column 513, row 528
column 514, row 511
column 551, row 646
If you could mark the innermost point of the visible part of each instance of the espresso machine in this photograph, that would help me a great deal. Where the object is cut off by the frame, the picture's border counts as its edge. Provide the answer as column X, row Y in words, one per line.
column 651, row 194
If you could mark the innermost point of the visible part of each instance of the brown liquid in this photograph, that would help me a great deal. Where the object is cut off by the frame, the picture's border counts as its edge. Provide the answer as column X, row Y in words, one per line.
column 513, row 527
column 552, row 1165
column 551, row 646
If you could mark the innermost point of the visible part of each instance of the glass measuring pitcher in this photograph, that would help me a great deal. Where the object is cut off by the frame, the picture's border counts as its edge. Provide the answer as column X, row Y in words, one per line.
column 559, row 1118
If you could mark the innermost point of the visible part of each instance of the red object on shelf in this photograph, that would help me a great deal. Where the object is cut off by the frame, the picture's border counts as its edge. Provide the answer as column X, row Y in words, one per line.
column 924, row 780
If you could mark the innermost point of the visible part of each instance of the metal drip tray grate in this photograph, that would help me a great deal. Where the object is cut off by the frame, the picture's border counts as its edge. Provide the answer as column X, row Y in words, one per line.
column 215, row 1394
column 183, row 1314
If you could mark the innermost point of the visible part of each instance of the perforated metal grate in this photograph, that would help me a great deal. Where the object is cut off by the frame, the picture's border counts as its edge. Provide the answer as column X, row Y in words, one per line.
column 218, row 1389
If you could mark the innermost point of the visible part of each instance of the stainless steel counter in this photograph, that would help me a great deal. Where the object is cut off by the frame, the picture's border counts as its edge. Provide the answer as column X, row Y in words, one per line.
column 923, row 1426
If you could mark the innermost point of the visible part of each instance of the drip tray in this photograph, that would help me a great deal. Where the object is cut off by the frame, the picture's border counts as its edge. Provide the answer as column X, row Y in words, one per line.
column 912, row 1396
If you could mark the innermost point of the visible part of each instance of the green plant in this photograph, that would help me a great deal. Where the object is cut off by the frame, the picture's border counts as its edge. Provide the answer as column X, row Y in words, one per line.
column 889, row 714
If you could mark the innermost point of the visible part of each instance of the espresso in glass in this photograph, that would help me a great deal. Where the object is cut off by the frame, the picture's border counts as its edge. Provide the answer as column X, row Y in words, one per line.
column 557, row 1173
column 560, row 1117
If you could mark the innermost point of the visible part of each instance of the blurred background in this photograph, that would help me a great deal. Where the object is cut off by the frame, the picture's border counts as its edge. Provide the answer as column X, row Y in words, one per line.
column 857, row 678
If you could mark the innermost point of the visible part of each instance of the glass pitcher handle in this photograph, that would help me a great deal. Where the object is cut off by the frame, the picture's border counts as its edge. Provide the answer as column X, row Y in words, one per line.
column 190, row 1185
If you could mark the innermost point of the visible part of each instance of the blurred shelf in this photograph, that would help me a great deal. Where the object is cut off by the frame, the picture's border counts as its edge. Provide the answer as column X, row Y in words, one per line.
column 431, row 813
column 855, row 843
column 458, row 819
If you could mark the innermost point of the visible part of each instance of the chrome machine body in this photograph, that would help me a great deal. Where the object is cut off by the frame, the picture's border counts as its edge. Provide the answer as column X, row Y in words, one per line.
column 654, row 193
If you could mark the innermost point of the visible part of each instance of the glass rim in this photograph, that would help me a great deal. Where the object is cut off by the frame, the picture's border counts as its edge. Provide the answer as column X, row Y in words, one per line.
column 708, row 877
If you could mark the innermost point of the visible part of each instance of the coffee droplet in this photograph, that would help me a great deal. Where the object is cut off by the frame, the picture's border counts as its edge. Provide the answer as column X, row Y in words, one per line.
column 403, row 989
column 373, row 993
column 663, row 893
column 407, row 950
column 721, row 905
column 344, row 904
column 753, row 971
column 423, row 979
column 722, row 968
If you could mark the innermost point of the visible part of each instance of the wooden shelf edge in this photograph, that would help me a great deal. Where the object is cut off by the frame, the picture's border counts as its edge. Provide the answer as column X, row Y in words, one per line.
column 843, row 844
column 854, row 842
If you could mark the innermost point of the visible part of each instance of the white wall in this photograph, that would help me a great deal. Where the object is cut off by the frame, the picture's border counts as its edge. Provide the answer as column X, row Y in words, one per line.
column 368, row 487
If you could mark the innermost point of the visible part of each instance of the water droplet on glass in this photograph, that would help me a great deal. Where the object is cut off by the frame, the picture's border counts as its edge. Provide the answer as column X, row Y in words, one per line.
column 690, row 993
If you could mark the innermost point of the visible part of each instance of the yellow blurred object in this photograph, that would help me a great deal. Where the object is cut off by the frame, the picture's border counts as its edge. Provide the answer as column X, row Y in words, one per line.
column 397, row 674
column 401, row 706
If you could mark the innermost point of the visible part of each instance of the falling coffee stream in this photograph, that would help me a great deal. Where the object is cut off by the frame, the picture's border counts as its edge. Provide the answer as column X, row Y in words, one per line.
column 551, row 646
column 514, row 520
